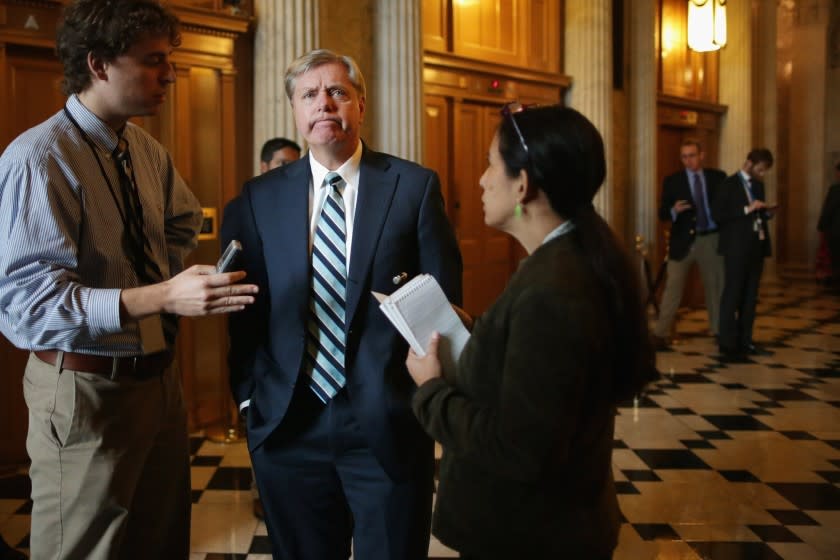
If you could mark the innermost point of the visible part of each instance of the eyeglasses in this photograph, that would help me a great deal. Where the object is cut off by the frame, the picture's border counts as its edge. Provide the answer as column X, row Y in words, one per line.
column 509, row 110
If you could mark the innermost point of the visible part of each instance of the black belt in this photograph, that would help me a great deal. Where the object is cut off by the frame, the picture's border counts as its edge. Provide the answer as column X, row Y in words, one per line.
column 707, row 232
column 138, row 367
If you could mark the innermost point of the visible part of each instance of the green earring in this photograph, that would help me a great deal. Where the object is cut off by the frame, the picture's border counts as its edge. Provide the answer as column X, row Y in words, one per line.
column 517, row 210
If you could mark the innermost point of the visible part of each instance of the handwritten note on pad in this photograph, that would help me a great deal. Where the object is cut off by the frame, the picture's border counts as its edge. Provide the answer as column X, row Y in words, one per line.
column 420, row 308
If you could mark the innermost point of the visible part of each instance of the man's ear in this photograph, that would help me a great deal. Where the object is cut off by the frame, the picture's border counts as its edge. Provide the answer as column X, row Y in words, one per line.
column 97, row 67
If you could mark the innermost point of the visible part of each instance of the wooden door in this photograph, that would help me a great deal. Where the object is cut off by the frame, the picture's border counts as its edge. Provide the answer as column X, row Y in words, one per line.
column 489, row 255
column 33, row 90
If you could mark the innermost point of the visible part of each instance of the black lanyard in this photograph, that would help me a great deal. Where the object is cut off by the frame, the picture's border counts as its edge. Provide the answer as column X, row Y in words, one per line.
column 129, row 219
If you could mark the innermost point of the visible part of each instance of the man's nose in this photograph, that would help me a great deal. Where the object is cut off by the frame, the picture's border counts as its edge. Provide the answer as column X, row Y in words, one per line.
column 168, row 75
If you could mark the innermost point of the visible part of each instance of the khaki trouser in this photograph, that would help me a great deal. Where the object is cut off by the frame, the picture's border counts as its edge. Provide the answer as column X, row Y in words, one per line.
column 110, row 465
column 704, row 252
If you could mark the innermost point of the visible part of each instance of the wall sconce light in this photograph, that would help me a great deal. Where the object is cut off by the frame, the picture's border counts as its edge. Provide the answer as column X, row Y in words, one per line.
column 706, row 25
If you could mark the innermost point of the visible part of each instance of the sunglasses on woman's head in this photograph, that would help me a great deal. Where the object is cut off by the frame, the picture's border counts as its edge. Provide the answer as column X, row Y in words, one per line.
column 509, row 110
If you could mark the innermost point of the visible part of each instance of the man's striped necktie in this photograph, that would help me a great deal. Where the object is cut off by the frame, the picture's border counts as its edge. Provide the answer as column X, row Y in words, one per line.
column 326, row 339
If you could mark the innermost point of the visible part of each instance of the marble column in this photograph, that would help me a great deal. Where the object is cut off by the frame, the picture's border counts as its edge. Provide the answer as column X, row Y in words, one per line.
column 807, row 136
column 397, row 79
column 588, row 60
column 736, row 87
column 285, row 30
column 642, row 84
column 765, row 108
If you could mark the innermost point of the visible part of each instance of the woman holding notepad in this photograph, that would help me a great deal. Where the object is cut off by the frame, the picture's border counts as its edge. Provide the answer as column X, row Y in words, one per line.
column 527, row 419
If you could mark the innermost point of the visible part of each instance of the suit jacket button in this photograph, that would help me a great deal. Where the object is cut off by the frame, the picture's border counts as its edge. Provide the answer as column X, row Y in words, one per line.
column 691, row 232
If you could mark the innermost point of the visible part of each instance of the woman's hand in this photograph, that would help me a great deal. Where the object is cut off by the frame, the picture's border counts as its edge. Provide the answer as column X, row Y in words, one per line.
column 425, row 368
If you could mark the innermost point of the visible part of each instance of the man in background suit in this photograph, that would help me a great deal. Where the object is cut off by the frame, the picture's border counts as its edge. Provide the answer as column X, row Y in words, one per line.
column 329, row 426
column 829, row 226
column 277, row 152
column 686, row 203
column 740, row 210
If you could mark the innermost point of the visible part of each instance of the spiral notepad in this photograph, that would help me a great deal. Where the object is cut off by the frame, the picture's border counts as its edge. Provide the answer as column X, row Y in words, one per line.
column 420, row 308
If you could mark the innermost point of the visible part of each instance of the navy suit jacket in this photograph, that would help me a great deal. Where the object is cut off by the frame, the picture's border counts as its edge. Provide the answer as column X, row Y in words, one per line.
column 737, row 230
column 400, row 226
column 675, row 187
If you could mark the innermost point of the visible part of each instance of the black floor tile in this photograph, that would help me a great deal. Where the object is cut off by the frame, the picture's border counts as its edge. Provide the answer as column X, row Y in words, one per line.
column 757, row 411
column 734, row 551
column 791, row 517
column 195, row 443
column 697, row 444
column 831, row 476
column 207, row 460
column 196, row 495
column 225, row 556
column 709, row 434
column 625, row 487
column 739, row 476
column 230, row 478
column 671, row 459
column 260, row 545
column 680, row 411
column 681, row 378
column 23, row 543
column 734, row 386
column 774, row 533
column 786, row 395
column 735, row 422
column 652, row 531
column 810, row 496
column 833, row 443
column 618, row 444
column 797, row 435
column 823, row 372
column 768, row 404
column 25, row 509
column 17, row 487
column 640, row 475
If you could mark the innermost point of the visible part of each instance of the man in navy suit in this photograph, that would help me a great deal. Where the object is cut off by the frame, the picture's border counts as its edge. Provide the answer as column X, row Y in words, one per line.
column 337, row 451
column 686, row 203
column 742, row 213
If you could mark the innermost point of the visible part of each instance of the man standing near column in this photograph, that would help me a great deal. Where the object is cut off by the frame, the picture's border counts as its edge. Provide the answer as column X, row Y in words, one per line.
column 278, row 152
column 740, row 210
column 686, row 203
column 315, row 365
column 95, row 223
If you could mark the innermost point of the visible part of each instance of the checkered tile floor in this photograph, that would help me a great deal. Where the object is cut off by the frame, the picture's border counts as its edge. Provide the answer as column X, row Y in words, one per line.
column 718, row 460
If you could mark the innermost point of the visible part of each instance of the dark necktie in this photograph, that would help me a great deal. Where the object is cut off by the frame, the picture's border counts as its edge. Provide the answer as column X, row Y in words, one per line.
column 135, row 241
column 326, row 339
column 699, row 202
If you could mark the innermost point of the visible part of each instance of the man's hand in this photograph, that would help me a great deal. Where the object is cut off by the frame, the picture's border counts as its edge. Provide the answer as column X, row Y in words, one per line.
column 755, row 205
column 425, row 368
column 197, row 291
column 681, row 206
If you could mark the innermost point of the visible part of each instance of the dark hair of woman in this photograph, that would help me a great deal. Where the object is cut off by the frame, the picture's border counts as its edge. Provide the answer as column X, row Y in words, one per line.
column 565, row 159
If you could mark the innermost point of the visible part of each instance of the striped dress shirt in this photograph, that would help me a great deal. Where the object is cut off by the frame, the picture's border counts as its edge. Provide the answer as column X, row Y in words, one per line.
column 62, row 260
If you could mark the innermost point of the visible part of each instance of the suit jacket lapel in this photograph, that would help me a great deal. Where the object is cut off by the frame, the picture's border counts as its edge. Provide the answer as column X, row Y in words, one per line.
column 287, row 260
column 376, row 190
